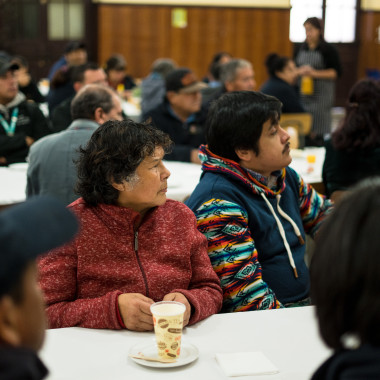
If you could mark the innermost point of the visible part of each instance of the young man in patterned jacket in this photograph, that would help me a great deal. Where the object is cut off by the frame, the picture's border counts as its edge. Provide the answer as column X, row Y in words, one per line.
column 254, row 209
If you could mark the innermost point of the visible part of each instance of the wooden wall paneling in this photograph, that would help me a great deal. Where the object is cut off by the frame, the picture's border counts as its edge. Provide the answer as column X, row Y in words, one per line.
column 144, row 33
column 369, row 47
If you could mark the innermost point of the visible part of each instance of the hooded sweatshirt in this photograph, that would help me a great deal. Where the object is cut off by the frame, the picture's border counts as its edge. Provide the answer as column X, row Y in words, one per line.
column 18, row 363
column 360, row 364
column 29, row 121
column 256, row 232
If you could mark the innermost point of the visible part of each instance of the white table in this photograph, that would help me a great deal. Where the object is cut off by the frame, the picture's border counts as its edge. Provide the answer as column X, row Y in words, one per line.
column 183, row 179
column 288, row 337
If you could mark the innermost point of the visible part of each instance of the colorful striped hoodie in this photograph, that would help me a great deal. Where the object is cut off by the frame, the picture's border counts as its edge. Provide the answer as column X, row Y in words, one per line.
column 256, row 234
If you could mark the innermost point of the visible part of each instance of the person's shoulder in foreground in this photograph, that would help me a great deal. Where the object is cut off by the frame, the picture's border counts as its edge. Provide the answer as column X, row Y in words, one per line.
column 254, row 209
column 26, row 231
column 152, row 245
column 345, row 285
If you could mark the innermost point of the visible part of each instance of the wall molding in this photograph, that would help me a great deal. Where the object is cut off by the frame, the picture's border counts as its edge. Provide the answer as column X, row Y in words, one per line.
column 209, row 3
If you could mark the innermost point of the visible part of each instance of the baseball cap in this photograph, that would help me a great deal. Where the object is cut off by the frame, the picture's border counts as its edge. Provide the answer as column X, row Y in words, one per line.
column 28, row 230
column 183, row 81
column 74, row 45
column 7, row 64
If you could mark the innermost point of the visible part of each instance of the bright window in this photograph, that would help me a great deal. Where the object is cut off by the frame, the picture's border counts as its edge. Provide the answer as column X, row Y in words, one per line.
column 65, row 19
column 342, row 10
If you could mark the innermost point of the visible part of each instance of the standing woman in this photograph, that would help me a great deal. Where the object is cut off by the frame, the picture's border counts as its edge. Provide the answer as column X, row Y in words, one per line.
column 319, row 66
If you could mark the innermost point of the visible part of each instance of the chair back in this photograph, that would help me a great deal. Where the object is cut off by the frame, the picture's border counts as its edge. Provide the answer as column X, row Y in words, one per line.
column 300, row 121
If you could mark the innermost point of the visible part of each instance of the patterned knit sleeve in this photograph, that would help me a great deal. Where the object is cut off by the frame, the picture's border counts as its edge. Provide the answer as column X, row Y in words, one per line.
column 234, row 256
column 314, row 207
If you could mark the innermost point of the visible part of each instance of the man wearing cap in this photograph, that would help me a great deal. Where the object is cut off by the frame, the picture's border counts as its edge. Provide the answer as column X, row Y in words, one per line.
column 22, row 122
column 51, row 167
column 181, row 115
column 27, row 231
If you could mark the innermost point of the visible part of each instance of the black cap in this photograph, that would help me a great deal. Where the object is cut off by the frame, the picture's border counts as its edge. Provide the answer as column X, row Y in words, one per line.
column 74, row 45
column 183, row 81
column 28, row 230
column 7, row 64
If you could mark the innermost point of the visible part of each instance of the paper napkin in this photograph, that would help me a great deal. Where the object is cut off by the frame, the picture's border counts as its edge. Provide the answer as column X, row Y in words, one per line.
column 245, row 363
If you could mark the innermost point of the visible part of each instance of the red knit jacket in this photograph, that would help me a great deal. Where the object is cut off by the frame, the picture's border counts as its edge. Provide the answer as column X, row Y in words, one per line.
column 82, row 280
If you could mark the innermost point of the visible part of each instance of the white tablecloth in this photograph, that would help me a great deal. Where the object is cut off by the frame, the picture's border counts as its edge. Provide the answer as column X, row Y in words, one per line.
column 288, row 338
column 183, row 179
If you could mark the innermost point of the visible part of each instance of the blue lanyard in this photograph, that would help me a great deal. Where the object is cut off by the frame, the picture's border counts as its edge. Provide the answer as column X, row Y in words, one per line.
column 10, row 129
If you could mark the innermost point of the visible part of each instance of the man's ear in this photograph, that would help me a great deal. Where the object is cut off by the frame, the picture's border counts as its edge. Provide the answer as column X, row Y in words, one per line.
column 244, row 154
column 99, row 115
column 9, row 317
column 77, row 86
column 229, row 86
column 171, row 95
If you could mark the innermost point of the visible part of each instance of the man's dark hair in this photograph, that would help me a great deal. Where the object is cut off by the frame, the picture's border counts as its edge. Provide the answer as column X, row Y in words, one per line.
column 275, row 63
column 89, row 98
column 77, row 72
column 113, row 153
column 235, row 121
column 360, row 128
column 345, row 268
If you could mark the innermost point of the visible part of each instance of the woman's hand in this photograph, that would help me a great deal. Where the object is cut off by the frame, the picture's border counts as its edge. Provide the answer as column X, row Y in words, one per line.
column 179, row 297
column 305, row 70
column 135, row 311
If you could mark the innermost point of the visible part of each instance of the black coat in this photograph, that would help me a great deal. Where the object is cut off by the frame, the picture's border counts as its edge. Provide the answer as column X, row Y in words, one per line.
column 360, row 364
column 186, row 136
column 284, row 92
column 20, row 364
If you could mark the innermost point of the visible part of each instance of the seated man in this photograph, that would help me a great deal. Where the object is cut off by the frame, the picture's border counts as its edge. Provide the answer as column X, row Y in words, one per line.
column 51, row 167
column 181, row 115
column 235, row 75
column 81, row 75
column 153, row 86
column 254, row 209
column 26, row 231
column 22, row 122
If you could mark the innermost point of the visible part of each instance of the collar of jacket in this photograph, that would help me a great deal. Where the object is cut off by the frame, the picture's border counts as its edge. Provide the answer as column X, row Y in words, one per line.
column 214, row 163
column 19, row 98
column 83, row 124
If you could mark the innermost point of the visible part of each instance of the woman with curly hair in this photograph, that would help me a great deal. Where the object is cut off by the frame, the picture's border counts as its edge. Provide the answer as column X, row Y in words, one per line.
column 353, row 153
column 134, row 247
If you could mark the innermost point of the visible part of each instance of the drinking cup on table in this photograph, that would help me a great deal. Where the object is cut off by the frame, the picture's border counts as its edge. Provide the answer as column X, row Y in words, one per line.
column 310, row 158
column 168, row 323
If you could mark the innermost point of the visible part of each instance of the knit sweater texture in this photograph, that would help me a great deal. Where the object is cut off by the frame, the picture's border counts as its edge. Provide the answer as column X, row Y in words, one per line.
column 244, row 240
column 166, row 254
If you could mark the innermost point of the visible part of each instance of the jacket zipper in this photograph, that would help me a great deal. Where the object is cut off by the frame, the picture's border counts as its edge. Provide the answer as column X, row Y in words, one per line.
column 139, row 262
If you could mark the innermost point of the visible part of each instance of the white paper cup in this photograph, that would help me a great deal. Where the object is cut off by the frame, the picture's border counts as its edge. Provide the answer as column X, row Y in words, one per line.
column 168, row 323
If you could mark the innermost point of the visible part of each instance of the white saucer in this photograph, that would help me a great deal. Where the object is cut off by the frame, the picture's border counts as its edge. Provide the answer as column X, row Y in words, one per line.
column 189, row 353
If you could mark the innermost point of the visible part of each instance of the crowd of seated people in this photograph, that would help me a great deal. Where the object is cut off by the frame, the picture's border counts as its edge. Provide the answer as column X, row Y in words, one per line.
column 240, row 242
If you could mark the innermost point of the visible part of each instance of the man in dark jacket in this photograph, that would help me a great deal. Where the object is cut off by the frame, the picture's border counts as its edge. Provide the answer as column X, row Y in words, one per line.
column 181, row 115
column 26, row 231
column 22, row 122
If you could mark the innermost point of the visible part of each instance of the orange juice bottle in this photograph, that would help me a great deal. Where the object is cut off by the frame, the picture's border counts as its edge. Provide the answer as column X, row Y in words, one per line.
column 307, row 85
